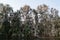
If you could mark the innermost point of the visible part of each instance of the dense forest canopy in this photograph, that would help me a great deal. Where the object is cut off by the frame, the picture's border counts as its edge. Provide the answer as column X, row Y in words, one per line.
column 29, row 24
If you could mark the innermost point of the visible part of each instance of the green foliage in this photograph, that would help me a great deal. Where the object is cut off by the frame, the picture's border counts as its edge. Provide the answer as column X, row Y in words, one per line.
column 18, row 31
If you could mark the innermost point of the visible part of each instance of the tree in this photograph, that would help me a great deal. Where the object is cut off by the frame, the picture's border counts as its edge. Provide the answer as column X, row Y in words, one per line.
column 30, row 24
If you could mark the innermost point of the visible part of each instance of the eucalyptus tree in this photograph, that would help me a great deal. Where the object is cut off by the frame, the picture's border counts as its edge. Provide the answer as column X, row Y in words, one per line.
column 23, row 13
column 15, row 29
column 42, row 12
column 5, row 24
column 1, row 14
column 54, row 12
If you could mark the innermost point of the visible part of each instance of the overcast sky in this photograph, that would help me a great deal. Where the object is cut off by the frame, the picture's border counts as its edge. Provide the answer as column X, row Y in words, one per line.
column 16, row 4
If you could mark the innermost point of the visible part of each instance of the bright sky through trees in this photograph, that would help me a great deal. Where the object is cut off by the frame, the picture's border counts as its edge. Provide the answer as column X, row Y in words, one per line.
column 16, row 4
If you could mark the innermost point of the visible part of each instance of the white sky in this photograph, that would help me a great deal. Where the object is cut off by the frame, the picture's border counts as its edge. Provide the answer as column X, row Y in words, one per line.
column 16, row 4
